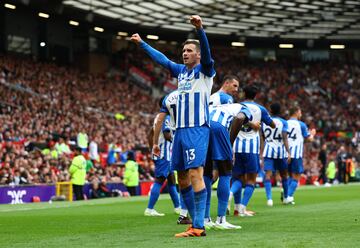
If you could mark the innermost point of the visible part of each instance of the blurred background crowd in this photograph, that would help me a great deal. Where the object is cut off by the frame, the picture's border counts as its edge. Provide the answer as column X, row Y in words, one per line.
column 46, row 110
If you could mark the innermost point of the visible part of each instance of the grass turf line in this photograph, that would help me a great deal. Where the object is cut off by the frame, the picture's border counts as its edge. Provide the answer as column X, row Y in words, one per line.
column 322, row 217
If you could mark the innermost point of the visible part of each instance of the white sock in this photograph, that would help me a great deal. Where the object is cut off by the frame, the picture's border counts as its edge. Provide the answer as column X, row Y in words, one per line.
column 237, row 207
column 183, row 212
column 220, row 219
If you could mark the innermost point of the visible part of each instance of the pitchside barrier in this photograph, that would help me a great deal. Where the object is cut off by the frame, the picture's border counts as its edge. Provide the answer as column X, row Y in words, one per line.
column 45, row 192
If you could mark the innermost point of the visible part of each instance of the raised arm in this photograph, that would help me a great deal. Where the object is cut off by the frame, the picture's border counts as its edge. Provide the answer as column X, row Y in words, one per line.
column 155, row 55
column 206, row 59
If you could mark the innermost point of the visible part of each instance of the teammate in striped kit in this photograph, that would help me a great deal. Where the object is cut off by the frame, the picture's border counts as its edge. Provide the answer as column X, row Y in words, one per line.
column 190, row 144
column 230, row 87
column 247, row 149
column 220, row 152
column 168, row 107
column 276, row 152
column 162, row 167
column 298, row 133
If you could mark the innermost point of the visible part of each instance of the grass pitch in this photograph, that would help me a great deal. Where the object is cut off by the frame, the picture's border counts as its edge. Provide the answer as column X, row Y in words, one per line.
column 322, row 217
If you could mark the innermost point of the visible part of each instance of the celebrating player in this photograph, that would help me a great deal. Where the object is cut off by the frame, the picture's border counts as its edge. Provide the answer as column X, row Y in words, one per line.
column 298, row 133
column 220, row 151
column 190, row 144
column 162, row 167
column 247, row 149
column 276, row 152
column 168, row 107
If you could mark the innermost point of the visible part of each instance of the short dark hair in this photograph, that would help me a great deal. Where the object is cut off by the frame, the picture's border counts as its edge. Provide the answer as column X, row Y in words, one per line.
column 229, row 77
column 275, row 108
column 250, row 91
column 293, row 110
column 131, row 155
column 161, row 101
column 194, row 42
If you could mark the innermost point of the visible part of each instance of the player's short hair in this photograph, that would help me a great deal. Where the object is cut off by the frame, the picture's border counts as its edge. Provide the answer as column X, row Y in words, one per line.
column 229, row 77
column 250, row 91
column 293, row 110
column 275, row 108
column 194, row 42
column 161, row 101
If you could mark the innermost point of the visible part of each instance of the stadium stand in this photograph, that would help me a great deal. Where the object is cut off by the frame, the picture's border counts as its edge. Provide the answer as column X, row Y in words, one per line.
column 41, row 102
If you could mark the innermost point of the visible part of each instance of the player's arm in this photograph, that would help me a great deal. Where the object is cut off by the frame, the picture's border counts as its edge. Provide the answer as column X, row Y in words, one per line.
column 309, row 136
column 262, row 141
column 265, row 117
column 156, row 56
column 284, row 134
column 150, row 137
column 157, row 129
column 206, row 61
column 236, row 126
column 255, row 125
column 287, row 147
column 167, row 135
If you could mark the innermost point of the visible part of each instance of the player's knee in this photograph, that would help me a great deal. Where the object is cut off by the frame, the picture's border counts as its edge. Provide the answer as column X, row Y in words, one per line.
column 183, row 179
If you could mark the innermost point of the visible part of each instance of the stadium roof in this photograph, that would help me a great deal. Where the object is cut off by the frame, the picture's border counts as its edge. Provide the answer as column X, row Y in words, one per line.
column 292, row 19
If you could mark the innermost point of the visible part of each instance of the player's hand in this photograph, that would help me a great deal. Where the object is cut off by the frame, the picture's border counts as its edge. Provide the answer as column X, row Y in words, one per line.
column 136, row 38
column 196, row 21
column 288, row 160
column 156, row 150
column 255, row 125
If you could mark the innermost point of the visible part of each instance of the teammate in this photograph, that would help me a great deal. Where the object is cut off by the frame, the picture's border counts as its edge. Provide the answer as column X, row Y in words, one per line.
column 247, row 149
column 168, row 108
column 276, row 152
column 162, row 167
column 298, row 133
column 190, row 144
column 220, row 151
column 229, row 88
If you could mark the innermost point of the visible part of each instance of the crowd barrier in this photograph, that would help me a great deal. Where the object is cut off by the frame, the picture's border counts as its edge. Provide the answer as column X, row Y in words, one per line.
column 26, row 193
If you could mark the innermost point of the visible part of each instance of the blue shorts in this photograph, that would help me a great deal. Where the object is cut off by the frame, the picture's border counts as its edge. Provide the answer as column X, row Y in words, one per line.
column 246, row 163
column 162, row 168
column 220, row 146
column 296, row 166
column 275, row 164
column 190, row 147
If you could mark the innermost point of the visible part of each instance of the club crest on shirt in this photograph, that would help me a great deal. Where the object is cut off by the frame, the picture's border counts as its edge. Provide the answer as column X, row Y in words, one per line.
column 185, row 82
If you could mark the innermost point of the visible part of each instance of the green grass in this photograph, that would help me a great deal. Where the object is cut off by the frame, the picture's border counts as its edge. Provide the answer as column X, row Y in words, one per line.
column 322, row 217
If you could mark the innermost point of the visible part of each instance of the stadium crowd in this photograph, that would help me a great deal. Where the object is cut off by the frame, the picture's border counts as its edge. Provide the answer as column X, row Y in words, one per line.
column 44, row 108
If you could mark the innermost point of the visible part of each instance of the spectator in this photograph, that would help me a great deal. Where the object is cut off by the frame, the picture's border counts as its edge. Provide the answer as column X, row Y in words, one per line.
column 131, row 175
column 78, row 173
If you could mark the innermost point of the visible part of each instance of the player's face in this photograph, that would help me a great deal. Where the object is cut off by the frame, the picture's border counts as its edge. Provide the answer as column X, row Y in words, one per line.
column 232, row 87
column 299, row 114
column 190, row 55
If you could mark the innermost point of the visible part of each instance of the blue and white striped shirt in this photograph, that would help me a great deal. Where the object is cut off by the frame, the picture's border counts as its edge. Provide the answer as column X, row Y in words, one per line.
column 274, row 143
column 248, row 140
column 169, row 106
column 194, row 85
column 219, row 98
column 225, row 113
column 297, row 132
